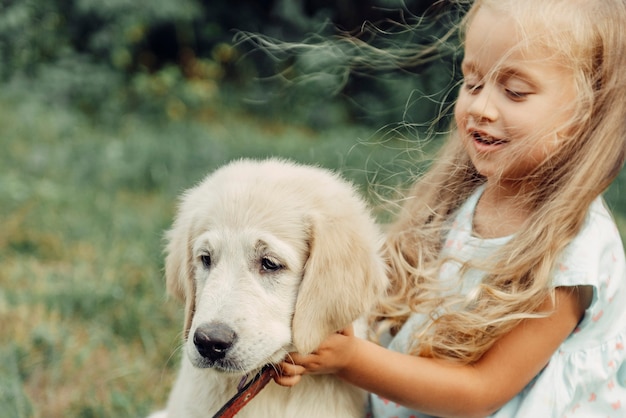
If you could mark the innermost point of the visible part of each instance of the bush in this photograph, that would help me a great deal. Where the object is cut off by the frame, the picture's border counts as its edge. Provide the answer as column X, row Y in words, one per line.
column 168, row 58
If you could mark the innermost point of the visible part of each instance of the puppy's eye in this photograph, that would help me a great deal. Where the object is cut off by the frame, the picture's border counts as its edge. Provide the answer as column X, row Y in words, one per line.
column 206, row 260
column 270, row 265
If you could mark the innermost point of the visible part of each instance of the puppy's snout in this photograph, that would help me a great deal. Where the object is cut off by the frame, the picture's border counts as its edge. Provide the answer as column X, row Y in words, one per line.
column 213, row 340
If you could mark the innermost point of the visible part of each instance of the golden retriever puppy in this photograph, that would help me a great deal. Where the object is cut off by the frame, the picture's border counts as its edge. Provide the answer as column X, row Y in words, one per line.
column 269, row 257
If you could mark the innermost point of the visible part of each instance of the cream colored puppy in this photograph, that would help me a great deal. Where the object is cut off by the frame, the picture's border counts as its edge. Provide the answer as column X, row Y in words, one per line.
column 269, row 257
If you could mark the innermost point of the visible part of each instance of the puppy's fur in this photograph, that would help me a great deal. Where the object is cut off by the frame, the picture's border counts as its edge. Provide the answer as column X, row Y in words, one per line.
column 269, row 257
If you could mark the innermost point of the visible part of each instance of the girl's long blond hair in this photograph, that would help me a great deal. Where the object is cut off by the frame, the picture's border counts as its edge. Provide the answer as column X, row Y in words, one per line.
column 590, row 37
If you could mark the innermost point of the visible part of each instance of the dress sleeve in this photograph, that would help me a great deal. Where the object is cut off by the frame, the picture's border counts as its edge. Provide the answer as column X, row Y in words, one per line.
column 586, row 376
column 593, row 257
column 596, row 258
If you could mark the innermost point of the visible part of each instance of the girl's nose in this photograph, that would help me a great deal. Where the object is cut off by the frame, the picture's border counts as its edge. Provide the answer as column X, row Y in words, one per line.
column 482, row 106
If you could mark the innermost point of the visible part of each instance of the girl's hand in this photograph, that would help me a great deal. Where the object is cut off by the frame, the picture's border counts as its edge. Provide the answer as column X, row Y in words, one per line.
column 331, row 357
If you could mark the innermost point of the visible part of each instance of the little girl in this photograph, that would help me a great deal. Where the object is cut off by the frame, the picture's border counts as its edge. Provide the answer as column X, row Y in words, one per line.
column 508, row 293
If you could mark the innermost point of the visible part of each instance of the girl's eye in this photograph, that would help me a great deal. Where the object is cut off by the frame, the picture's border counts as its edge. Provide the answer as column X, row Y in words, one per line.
column 269, row 265
column 516, row 95
column 206, row 261
column 472, row 88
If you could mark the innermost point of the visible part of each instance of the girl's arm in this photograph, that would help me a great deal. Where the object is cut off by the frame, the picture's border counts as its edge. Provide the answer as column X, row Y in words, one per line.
column 439, row 387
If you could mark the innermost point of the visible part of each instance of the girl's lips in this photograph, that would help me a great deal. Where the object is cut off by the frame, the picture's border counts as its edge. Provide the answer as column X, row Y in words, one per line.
column 486, row 143
column 486, row 139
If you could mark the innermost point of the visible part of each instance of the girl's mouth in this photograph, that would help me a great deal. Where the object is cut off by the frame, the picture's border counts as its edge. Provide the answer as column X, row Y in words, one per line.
column 486, row 139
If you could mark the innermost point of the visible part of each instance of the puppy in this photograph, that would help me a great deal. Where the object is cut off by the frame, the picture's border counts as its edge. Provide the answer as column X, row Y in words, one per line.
column 269, row 257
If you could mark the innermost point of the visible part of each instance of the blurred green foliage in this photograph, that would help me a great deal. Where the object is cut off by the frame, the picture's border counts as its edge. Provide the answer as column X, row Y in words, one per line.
column 167, row 58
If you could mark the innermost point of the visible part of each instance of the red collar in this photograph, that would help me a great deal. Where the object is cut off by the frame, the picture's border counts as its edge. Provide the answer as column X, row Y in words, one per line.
column 246, row 393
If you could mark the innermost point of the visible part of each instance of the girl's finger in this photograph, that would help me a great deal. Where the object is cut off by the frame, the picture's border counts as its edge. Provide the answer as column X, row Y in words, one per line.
column 288, row 369
column 347, row 331
column 287, row 381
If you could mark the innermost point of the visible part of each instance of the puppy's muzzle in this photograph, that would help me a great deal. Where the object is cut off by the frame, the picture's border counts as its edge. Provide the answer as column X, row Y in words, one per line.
column 213, row 340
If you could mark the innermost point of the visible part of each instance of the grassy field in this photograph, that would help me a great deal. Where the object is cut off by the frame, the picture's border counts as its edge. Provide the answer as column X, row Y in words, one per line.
column 86, row 330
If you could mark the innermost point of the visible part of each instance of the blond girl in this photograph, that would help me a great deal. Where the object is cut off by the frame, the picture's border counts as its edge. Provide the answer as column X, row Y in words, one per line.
column 508, row 294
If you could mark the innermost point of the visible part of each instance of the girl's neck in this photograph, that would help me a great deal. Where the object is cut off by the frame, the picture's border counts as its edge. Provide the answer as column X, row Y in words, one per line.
column 500, row 212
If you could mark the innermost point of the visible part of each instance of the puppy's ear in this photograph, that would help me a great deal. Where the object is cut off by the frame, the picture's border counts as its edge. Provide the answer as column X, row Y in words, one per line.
column 344, row 275
column 179, row 270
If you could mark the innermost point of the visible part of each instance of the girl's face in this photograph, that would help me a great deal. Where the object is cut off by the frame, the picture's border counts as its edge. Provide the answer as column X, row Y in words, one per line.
column 514, row 102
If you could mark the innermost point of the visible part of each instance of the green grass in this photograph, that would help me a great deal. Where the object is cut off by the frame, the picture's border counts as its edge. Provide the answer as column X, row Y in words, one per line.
column 86, row 329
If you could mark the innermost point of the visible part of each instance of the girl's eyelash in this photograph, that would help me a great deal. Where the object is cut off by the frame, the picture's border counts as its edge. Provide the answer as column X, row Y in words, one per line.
column 471, row 87
column 517, row 94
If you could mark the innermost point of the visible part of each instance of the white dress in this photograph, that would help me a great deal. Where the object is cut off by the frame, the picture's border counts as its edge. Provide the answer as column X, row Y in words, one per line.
column 586, row 376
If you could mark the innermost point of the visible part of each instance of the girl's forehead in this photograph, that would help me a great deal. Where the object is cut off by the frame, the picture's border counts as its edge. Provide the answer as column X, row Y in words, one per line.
column 495, row 40
column 528, row 24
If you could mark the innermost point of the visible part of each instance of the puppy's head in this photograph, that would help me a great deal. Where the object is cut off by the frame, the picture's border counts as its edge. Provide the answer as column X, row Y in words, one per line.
column 316, row 228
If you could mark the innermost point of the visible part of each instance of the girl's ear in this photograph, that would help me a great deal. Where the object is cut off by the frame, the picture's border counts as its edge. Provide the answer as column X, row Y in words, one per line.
column 179, row 269
column 343, row 277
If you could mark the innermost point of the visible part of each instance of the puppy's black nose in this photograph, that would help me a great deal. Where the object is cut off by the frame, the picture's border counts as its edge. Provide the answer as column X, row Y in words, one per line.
column 213, row 340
